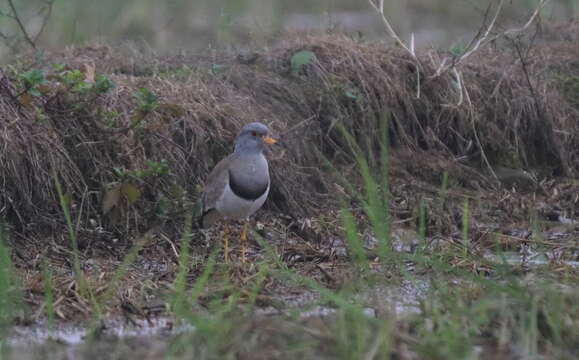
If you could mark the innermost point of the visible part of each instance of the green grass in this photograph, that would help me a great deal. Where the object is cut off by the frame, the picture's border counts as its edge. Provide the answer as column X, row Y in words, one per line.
column 464, row 311
column 48, row 282
column 10, row 296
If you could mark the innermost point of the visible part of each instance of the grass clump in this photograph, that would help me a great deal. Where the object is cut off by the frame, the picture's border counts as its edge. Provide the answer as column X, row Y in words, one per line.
column 10, row 295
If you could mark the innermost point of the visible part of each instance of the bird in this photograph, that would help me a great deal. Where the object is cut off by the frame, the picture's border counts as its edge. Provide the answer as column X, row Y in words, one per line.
column 239, row 184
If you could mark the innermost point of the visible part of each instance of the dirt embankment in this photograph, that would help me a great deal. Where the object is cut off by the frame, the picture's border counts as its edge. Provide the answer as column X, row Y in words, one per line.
column 144, row 153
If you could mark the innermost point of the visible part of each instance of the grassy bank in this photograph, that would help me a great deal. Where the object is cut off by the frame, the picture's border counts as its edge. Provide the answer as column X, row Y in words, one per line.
column 466, row 198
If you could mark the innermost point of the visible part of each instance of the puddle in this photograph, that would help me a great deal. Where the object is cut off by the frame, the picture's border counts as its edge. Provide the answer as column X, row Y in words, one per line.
column 400, row 300
column 531, row 259
column 403, row 300
column 40, row 334
column 74, row 335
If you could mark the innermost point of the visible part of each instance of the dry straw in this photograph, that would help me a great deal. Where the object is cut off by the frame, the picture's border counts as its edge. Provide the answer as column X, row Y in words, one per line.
column 516, row 115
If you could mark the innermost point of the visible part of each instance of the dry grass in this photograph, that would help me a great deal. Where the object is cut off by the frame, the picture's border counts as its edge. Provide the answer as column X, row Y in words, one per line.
column 514, row 114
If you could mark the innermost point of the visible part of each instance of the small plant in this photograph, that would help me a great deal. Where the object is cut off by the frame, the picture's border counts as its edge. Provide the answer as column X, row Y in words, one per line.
column 9, row 292
column 74, row 80
column 146, row 100
column 48, row 293
column 458, row 50
column 152, row 169
column 103, row 84
column 127, row 190
column 31, row 81
column 300, row 59
column 77, row 81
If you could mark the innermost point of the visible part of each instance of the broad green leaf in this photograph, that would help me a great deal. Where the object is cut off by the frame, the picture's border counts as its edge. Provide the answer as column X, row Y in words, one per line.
column 33, row 77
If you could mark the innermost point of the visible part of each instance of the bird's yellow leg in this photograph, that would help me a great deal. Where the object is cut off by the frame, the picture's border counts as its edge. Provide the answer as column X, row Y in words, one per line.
column 226, row 244
column 244, row 241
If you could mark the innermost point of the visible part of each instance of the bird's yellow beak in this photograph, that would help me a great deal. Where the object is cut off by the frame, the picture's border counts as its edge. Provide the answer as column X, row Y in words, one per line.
column 269, row 140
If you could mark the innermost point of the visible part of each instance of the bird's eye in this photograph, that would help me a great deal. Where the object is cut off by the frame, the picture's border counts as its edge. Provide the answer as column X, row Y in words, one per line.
column 253, row 133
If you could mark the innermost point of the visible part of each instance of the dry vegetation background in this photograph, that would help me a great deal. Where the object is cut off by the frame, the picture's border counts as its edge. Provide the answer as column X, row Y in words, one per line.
column 520, row 112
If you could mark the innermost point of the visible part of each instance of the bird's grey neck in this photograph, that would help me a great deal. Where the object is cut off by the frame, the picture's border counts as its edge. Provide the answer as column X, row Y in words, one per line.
column 248, row 150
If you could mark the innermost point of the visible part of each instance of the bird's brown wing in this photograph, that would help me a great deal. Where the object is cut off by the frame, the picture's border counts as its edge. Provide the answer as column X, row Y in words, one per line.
column 214, row 187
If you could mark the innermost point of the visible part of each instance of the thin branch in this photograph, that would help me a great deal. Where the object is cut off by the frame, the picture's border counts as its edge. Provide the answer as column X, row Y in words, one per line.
column 458, row 77
column 530, row 21
column 411, row 50
column 45, row 18
column 483, row 26
column 8, row 41
column 380, row 9
column 417, row 81
column 485, row 35
column 21, row 25
column 485, row 39
column 4, row 37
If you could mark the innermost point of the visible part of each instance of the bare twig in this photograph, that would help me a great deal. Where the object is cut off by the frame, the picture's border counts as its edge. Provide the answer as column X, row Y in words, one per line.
column 6, row 38
column 485, row 35
column 474, row 44
column 21, row 25
column 458, row 77
column 529, row 22
column 482, row 38
column 45, row 17
column 485, row 39
column 482, row 28
column 380, row 9
column 411, row 50
column 298, row 125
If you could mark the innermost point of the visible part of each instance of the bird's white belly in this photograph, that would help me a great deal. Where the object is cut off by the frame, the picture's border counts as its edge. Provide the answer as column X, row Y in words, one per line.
column 232, row 206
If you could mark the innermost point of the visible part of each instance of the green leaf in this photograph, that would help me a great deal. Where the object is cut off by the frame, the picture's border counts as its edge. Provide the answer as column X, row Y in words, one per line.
column 301, row 58
column 457, row 50
column 33, row 78
column 146, row 99
column 103, row 84
column 352, row 94
column 34, row 92
column 58, row 67
column 120, row 172
column 72, row 78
